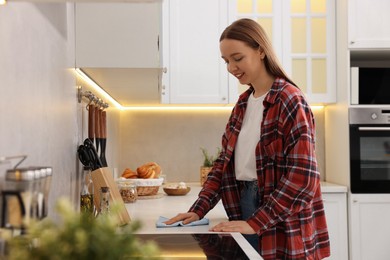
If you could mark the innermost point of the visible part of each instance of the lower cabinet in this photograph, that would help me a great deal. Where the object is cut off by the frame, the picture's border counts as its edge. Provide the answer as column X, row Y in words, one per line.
column 369, row 217
column 336, row 215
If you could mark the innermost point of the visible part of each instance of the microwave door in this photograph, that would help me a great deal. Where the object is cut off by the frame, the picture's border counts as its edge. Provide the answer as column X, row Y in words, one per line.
column 354, row 86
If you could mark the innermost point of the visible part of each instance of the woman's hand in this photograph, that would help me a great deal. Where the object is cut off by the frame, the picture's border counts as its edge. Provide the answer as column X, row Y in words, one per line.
column 185, row 217
column 240, row 226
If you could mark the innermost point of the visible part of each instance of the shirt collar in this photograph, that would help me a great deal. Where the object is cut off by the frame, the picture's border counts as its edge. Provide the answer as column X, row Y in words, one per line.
column 272, row 94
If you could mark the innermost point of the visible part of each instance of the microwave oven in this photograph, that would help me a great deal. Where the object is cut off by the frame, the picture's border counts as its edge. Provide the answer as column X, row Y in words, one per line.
column 370, row 86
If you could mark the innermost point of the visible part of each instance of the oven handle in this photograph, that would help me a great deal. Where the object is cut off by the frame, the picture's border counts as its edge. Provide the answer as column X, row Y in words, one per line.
column 366, row 128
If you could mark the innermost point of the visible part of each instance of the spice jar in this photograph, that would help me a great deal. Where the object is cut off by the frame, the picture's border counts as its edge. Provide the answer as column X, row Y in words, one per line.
column 128, row 191
column 86, row 195
column 104, row 200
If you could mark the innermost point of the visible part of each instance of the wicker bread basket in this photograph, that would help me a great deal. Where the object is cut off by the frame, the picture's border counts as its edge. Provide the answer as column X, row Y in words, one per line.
column 146, row 187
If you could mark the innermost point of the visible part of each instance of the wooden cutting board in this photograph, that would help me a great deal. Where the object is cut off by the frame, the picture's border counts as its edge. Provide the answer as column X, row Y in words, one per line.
column 103, row 178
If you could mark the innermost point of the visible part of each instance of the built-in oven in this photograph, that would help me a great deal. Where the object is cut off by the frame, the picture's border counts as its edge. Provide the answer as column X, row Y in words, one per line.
column 369, row 129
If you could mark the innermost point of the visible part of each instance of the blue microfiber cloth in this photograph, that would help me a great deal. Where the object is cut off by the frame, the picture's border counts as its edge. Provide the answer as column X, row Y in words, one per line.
column 160, row 224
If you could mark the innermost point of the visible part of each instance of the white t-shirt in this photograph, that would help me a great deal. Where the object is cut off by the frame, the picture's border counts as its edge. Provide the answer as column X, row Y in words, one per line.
column 249, row 137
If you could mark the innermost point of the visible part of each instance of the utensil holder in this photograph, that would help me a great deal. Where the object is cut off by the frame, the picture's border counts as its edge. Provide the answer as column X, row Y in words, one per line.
column 103, row 178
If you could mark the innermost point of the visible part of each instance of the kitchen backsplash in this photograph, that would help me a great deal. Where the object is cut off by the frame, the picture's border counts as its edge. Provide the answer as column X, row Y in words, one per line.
column 173, row 139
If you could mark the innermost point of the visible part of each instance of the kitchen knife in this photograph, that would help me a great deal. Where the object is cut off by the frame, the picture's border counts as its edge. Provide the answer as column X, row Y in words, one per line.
column 91, row 122
column 103, row 140
column 97, row 127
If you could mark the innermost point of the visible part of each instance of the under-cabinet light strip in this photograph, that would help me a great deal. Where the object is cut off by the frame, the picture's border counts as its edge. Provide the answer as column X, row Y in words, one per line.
column 156, row 108
column 98, row 88
column 179, row 108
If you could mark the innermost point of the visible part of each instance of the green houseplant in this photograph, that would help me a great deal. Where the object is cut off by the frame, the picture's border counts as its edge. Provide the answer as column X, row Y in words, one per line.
column 80, row 236
column 208, row 161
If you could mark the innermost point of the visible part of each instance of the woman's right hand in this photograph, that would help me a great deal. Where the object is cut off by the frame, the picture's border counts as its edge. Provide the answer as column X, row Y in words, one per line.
column 185, row 217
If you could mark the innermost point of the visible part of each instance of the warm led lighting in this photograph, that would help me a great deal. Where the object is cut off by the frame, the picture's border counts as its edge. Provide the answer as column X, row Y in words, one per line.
column 317, row 107
column 98, row 88
column 178, row 108
column 3, row 2
column 159, row 108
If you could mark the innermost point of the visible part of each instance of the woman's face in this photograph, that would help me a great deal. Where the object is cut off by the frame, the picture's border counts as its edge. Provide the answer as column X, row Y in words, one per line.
column 243, row 62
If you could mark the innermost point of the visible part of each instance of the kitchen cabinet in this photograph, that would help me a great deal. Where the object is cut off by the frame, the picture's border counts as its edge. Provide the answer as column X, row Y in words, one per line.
column 369, row 226
column 336, row 215
column 117, row 46
column 368, row 24
column 303, row 35
column 117, row 35
column 195, row 72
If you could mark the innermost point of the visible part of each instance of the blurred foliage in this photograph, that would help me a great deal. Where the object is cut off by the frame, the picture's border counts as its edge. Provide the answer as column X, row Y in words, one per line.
column 80, row 236
column 208, row 160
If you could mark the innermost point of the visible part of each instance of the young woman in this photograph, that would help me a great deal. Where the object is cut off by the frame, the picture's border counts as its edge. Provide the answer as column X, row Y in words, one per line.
column 266, row 174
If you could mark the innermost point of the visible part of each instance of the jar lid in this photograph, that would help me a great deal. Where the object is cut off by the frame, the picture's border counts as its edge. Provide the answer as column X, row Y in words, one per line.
column 105, row 189
column 28, row 174
column 21, row 174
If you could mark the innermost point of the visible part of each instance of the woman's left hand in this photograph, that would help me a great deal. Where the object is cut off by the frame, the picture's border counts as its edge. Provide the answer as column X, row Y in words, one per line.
column 240, row 226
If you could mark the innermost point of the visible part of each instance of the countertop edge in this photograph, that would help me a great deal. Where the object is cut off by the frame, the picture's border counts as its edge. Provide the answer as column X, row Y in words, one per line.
column 328, row 187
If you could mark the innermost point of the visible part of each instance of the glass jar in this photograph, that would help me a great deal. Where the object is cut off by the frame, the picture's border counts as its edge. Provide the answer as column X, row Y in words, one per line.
column 86, row 194
column 104, row 200
column 128, row 191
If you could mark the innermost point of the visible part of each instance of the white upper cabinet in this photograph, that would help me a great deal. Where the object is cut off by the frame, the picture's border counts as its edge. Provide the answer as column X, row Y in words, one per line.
column 117, row 35
column 195, row 72
column 369, row 24
column 303, row 35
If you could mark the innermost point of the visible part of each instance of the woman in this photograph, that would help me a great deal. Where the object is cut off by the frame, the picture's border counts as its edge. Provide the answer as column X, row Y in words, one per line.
column 266, row 173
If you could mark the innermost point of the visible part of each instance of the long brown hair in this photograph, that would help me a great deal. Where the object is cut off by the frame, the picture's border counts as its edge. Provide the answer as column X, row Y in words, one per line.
column 251, row 33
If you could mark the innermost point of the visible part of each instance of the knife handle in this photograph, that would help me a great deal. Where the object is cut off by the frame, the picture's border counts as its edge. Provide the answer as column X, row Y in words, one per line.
column 97, row 122
column 91, row 121
column 104, row 124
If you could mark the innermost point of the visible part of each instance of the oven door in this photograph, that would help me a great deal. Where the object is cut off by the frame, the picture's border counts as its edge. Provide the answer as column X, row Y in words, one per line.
column 370, row 158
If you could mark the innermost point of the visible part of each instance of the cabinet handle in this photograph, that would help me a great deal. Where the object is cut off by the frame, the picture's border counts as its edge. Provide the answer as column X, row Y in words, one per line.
column 355, row 201
column 164, row 70
column 223, row 98
column 352, row 42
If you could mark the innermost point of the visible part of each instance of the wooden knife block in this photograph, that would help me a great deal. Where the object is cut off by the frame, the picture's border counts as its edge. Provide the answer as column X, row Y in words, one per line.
column 103, row 178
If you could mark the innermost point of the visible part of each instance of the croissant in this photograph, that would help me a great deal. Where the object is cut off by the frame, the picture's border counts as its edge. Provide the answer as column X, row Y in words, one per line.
column 129, row 174
column 149, row 170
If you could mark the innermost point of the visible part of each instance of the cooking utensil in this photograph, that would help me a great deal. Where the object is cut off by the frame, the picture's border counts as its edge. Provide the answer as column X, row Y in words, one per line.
column 91, row 122
column 88, row 156
column 97, row 127
column 103, row 140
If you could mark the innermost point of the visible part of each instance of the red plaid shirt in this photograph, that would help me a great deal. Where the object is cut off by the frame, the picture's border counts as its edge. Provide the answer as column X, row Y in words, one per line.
column 291, row 219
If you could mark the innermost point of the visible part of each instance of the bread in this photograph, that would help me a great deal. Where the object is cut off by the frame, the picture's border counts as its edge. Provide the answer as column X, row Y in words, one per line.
column 149, row 170
column 129, row 174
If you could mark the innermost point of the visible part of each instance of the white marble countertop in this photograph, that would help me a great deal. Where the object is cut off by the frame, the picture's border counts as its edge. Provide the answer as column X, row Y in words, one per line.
column 328, row 187
column 148, row 210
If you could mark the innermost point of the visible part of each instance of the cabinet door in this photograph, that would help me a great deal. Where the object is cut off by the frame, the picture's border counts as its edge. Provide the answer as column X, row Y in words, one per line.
column 370, row 226
column 117, row 35
column 368, row 24
column 309, row 54
column 196, row 72
column 303, row 35
column 336, row 216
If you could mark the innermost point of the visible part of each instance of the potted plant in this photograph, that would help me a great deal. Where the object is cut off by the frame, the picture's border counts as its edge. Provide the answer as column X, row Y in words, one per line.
column 80, row 236
column 208, row 161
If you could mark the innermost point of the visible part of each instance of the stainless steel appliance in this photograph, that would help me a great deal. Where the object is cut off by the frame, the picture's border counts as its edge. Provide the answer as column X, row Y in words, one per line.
column 369, row 129
column 370, row 85
column 24, row 196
